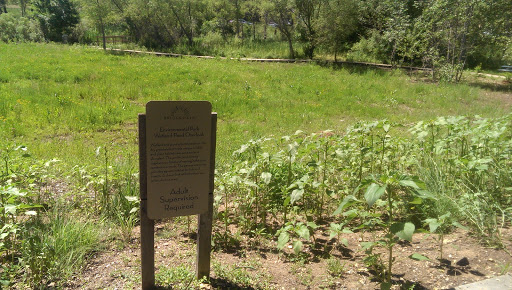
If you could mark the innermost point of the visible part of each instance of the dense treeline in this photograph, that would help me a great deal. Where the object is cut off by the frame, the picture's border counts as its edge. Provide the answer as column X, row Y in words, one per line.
column 446, row 35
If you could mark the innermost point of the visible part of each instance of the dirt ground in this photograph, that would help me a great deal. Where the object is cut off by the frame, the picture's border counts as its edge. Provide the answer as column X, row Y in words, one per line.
column 256, row 263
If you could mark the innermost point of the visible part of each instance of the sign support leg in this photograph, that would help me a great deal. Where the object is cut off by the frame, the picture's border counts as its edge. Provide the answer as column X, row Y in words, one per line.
column 204, row 221
column 147, row 229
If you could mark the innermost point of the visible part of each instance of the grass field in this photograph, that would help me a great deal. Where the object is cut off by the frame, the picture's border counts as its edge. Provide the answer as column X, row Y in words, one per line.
column 54, row 97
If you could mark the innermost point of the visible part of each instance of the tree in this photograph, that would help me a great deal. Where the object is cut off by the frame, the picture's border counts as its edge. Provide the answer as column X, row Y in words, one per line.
column 264, row 10
column 56, row 17
column 397, row 28
column 281, row 12
column 3, row 6
column 385, row 27
column 98, row 12
column 166, row 23
column 337, row 23
column 452, row 31
column 237, row 5
column 308, row 11
column 252, row 9
column 23, row 7
column 188, row 16
column 495, row 33
column 220, row 12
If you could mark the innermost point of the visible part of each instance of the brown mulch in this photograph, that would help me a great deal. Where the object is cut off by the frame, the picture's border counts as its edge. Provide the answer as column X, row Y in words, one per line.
column 465, row 260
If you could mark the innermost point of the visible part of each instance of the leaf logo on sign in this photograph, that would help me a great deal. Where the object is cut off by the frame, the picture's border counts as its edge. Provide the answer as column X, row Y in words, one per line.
column 180, row 111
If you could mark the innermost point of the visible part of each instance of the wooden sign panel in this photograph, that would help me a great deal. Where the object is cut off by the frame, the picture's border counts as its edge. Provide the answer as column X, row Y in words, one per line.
column 178, row 144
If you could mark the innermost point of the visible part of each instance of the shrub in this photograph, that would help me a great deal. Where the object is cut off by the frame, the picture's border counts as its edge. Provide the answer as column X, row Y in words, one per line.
column 57, row 18
column 213, row 40
column 13, row 29
column 370, row 49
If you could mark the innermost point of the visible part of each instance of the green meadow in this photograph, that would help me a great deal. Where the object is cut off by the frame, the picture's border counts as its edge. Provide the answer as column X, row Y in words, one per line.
column 65, row 101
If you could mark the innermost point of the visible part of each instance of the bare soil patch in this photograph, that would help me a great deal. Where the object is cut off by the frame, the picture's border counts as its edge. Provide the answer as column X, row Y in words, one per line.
column 497, row 89
column 255, row 263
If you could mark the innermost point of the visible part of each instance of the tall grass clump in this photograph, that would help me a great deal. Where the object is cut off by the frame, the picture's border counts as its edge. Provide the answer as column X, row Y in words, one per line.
column 466, row 163
column 56, row 248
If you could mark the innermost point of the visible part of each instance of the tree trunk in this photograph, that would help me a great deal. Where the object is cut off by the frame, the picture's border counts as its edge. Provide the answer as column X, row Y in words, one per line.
column 171, row 40
column 237, row 30
column 187, row 33
column 290, row 46
column 103, row 35
column 265, row 28
column 238, row 16
column 3, row 5
column 191, row 21
column 23, row 6
column 102, row 27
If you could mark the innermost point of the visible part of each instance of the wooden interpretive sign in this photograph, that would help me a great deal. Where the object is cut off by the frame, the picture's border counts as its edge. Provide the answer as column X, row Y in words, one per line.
column 177, row 165
column 178, row 146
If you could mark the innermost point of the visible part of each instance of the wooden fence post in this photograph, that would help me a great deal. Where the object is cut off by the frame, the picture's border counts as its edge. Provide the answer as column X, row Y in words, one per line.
column 204, row 221
column 147, row 226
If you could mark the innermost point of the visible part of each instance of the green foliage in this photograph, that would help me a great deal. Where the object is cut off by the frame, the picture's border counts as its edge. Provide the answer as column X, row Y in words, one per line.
column 295, row 233
column 81, row 94
column 387, row 33
column 389, row 186
column 57, row 18
column 177, row 277
column 370, row 49
column 17, row 204
column 440, row 226
column 337, row 24
column 505, row 268
column 40, row 231
column 240, row 277
column 115, row 189
column 18, row 29
column 335, row 267
column 418, row 257
column 281, row 13
column 444, row 35
column 46, row 244
column 367, row 177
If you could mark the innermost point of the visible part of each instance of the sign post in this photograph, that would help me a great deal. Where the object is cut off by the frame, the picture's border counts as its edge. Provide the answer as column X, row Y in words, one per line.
column 205, row 220
column 177, row 163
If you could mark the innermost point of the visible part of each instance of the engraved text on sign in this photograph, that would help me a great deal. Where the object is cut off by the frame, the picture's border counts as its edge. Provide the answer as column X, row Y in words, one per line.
column 178, row 136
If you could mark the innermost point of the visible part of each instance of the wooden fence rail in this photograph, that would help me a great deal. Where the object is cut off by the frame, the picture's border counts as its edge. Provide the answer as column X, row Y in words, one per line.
column 113, row 39
column 338, row 63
